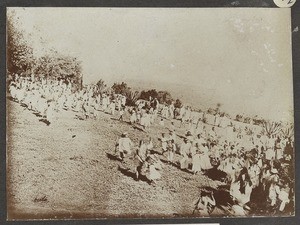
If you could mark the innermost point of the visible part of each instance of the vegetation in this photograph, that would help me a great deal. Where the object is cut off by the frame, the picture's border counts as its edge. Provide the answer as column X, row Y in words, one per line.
column 271, row 128
column 22, row 61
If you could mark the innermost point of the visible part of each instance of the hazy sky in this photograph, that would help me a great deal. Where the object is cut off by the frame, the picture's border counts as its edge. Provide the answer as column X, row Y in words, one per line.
column 242, row 57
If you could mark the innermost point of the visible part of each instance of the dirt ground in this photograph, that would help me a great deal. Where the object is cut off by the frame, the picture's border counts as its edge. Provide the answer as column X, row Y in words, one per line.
column 64, row 171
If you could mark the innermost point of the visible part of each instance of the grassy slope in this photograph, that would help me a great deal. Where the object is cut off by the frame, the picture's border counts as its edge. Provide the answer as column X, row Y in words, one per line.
column 52, row 173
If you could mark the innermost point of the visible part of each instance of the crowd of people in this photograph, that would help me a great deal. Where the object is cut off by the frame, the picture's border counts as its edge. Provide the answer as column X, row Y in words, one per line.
column 251, row 163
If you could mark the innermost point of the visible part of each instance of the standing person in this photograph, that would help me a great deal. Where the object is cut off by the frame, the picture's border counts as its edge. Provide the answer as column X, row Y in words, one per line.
column 112, row 107
column 163, row 142
column 133, row 117
column 50, row 113
column 142, row 150
column 172, row 136
column 204, row 157
column 274, row 188
column 278, row 149
column 171, row 148
column 121, row 113
column 139, row 158
column 196, row 159
column 162, row 122
column 150, row 144
column 184, row 152
column 124, row 145
column 172, row 127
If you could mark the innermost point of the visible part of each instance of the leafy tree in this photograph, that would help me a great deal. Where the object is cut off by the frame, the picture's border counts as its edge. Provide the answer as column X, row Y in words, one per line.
column 59, row 67
column 124, row 89
column 150, row 93
column 121, row 88
column 164, row 97
column 178, row 103
column 20, row 59
column 101, row 86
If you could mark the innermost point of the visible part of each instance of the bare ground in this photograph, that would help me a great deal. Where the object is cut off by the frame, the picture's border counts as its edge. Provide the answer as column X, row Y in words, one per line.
column 63, row 171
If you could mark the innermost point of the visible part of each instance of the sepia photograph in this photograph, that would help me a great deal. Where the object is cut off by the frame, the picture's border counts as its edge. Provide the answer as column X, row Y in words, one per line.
column 149, row 113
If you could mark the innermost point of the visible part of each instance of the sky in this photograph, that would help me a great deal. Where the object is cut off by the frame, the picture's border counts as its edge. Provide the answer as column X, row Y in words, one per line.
column 239, row 57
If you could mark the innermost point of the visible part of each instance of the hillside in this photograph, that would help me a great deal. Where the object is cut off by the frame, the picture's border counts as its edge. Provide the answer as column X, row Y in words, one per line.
column 66, row 170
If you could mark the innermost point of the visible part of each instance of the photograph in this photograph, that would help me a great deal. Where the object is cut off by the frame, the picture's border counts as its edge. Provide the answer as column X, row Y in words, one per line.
column 149, row 113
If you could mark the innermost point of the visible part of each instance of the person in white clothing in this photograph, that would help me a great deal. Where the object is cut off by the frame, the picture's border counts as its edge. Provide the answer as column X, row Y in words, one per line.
column 124, row 145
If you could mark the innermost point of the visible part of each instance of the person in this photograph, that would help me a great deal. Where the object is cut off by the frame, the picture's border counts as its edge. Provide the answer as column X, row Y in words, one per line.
column 150, row 144
column 163, row 142
column 142, row 150
column 162, row 122
column 283, row 196
column 199, row 140
column 50, row 113
column 133, row 117
column 172, row 127
column 274, row 189
column 212, row 134
column 189, row 136
column 139, row 158
column 205, row 203
column 112, row 107
column 241, row 188
column 155, row 167
column 121, row 113
column 172, row 136
column 204, row 157
column 184, row 152
column 278, row 149
column 171, row 148
column 196, row 159
column 124, row 145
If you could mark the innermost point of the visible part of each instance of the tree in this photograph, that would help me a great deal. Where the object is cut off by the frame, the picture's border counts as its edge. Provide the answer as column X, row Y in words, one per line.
column 124, row 89
column 217, row 110
column 164, row 97
column 20, row 59
column 270, row 128
column 59, row 67
column 101, row 86
column 132, row 97
column 121, row 88
column 178, row 103
column 147, row 94
column 287, row 131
